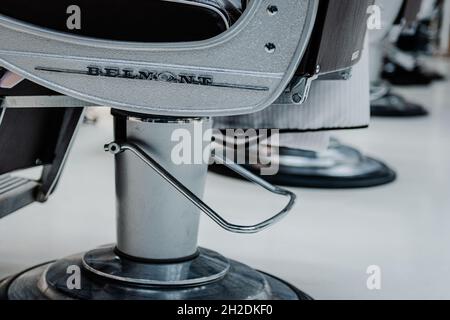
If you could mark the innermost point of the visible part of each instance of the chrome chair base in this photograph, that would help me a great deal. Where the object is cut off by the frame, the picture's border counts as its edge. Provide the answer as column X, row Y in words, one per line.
column 384, row 103
column 105, row 275
column 339, row 167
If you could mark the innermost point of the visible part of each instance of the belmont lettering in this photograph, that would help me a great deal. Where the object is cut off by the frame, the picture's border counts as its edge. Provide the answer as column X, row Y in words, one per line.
column 151, row 75
column 164, row 76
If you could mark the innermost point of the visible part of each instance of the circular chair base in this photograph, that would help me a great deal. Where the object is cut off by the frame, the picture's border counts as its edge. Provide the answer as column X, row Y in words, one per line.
column 409, row 111
column 290, row 178
column 393, row 105
column 399, row 76
column 54, row 281
column 339, row 167
column 408, row 79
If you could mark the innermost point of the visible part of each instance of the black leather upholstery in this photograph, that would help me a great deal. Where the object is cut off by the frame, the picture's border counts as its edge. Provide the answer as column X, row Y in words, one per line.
column 28, row 137
column 137, row 20
column 338, row 36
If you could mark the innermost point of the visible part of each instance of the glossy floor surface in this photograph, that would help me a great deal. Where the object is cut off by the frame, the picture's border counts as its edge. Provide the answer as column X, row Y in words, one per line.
column 324, row 247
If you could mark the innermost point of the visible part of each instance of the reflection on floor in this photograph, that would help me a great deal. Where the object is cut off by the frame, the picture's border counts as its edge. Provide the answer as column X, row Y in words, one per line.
column 324, row 247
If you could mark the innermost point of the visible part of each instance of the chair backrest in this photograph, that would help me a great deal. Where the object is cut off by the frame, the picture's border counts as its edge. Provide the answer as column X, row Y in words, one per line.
column 31, row 137
column 338, row 37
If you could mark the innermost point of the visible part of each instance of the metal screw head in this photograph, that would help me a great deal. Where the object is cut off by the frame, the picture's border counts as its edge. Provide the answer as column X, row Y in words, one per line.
column 317, row 69
column 272, row 10
column 113, row 148
column 270, row 47
column 297, row 98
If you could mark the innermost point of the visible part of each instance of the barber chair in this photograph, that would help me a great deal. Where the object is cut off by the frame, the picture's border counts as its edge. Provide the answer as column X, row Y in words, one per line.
column 384, row 102
column 402, row 66
column 338, row 167
column 172, row 66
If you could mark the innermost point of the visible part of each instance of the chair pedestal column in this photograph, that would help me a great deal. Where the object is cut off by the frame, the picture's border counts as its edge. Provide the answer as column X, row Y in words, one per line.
column 154, row 221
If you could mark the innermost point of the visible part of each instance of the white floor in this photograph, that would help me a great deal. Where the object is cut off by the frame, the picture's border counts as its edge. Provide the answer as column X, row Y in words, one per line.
column 324, row 247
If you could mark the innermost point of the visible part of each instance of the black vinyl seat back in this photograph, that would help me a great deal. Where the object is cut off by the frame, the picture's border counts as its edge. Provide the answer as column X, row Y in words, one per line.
column 124, row 20
column 29, row 137
column 32, row 137
column 338, row 37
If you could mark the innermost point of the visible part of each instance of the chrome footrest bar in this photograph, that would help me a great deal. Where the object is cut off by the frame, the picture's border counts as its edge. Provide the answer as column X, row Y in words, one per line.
column 118, row 147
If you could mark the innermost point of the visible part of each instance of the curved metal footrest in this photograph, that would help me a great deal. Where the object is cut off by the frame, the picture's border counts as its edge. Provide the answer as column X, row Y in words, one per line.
column 118, row 147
